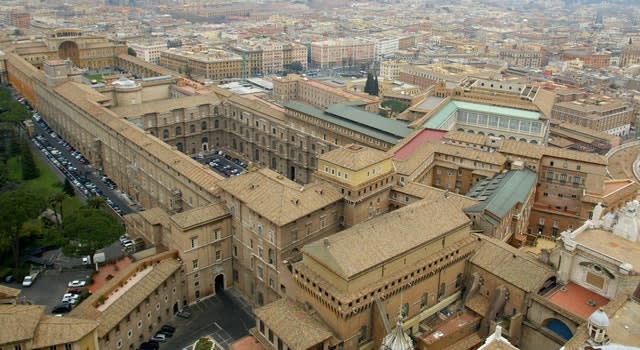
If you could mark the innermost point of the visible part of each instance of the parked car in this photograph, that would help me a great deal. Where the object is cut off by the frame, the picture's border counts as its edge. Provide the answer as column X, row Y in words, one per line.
column 167, row 328
column 150, row 345
column 61, row 308
column 76, row 283
column 27, row 282
column 159, row 337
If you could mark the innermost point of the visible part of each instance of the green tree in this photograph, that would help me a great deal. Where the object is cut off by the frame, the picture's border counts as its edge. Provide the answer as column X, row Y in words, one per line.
column 55, row 202
column 87, row 230
column 29, row 168
column 17, row 208
column 131, row 52
column 294, row 66
column 68, row 189
column 368, row 85
column 396, row 106
column 95, row 202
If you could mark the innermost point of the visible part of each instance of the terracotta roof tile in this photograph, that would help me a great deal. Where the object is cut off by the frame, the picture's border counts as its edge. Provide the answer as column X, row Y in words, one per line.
column 354, row 157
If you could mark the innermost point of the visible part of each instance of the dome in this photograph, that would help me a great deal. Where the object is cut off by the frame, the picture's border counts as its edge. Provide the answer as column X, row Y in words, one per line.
column 124, row 83
column 599, row 319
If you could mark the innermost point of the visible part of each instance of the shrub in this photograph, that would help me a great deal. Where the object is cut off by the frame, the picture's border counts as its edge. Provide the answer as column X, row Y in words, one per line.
column 204, row 344
column 109, row 277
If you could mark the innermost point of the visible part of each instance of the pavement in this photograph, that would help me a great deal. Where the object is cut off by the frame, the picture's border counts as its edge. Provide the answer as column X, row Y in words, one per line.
column 224, row 317
column 50, row 286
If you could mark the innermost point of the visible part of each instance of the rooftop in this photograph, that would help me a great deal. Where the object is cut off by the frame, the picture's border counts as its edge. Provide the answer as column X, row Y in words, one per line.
column 444, row 113
column 609, row 244
column 354, row 157
column 201, row 215
column 54, row 330
column 511, row 265
column 387, row 130
column 277, row 198
column 419, row 138
column 298, row 329
column 501, row 193
column 577, row 300
column 18, row 322
column 386, row 236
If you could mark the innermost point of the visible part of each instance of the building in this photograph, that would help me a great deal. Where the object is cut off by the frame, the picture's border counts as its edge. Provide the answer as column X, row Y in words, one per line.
column 404, row 261
column 84, row 50
column 390, row 69
column 266, row 57
column 202, row 62
column 27, row 327
column 589, row 58
column 630, row 55
column 600, row 113
column 202, row 238
column 272, row 218
column 131, row 307
column 523, row 57
column 505, row 204
column 148, row 51
column 342, row 52
column 318, row 94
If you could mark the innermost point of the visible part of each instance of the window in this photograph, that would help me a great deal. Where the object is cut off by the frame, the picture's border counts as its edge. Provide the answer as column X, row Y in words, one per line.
column 323, row 221
column 178, row 130
column 424, row 301
column 217, row 235
column 259, row 230
column 194, row 242
column 362, row 337
column 259, row 272
column 272, row 256
column 441, row 291
column 165, row 133
column 270, row 236
column 218, row 255
column 195, row 264
column 563, row 178
column 577, row 180
column 68, row 347
column 192, row 128
column 203, row 126
column 235, row 250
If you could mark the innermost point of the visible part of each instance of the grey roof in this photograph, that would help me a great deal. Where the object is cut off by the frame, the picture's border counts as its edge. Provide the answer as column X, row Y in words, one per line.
column 385, row 129
column 500, row 193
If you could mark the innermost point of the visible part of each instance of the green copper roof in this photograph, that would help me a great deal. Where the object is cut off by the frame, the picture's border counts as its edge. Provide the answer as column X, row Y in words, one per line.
column 453, row 106
column 502, row 192
column 385, row 129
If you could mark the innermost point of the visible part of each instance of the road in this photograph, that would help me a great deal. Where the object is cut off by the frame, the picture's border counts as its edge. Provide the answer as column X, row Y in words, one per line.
column 224, row 317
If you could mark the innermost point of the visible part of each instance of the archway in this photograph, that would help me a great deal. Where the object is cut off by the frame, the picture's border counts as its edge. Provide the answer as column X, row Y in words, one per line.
column 175, row 307
column 69, row 49
column 558, row 327
column 218, row 284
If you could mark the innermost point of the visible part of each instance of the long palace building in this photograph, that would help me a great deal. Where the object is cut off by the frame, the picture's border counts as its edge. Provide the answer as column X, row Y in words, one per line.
column 344, row 218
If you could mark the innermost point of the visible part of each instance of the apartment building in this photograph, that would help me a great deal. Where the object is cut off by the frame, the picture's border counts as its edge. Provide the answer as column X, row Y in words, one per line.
column 148, row 51
column 342, row 52
column 588, row 58
column 390, row 69
column 600, row 113
column 630, row 55
column 265, row 56
column 202, row 62
column 523, row 57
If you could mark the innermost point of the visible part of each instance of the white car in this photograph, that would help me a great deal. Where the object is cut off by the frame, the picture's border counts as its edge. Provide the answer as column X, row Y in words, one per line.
column 27, row 282
column 127, row 243
column 86, row 260
column 76, row 283
column 70, row 298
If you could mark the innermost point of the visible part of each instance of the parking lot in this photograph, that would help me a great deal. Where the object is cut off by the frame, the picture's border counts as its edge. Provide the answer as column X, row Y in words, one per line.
column 71, row 164
column 224, row 164
column 50, row 286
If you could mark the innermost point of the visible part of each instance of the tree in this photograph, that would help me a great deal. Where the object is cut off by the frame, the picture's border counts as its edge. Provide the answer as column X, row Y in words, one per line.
column 131, row 52
column 294, row 66
column 16, row 208
column 68, row 189
column 375, row 87
column 368, row 85
column 55, row 201
column 95, row 202
column 87, row 230
column 396, row 106
column 29, row 168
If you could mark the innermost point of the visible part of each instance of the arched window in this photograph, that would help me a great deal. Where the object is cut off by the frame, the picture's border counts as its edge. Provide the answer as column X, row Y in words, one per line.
column 192, row 128
column 178, row 130
column 205, row 139
column 203, row 126
column 165, row 133
column 272, row 256
column 180, row 147
column 216, row 124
